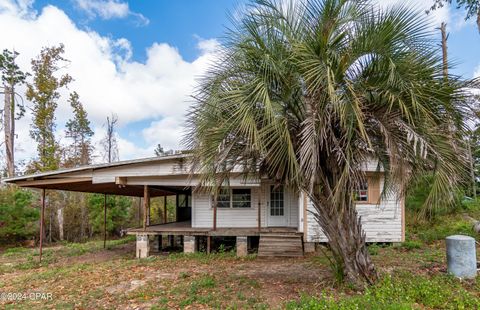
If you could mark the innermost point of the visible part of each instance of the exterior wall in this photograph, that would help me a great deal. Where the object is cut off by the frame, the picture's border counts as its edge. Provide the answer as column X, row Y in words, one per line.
column 381, row 223
column 202, row 211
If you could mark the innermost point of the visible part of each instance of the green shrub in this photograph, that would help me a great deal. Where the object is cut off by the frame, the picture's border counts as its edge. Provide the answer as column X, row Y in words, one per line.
column 471, row 204
column 443, row 229
column 411, row 244
column 402, row 291
column 418, row 193
column 18, row 219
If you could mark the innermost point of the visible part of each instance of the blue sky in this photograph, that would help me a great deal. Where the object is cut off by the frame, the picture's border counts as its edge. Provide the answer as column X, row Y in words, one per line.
column 139, row 59
column 182, row 22
column 178, row 22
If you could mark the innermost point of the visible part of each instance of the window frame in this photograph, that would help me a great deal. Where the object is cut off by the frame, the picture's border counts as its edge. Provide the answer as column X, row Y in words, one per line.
column 231, row 202
column 372, row 180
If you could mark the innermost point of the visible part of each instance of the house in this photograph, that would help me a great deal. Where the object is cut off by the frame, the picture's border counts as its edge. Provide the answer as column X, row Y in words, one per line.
column 279, row 219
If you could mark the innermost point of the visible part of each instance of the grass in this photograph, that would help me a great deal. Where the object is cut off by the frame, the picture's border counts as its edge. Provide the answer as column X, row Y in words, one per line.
column 399, row 291
column 412, row 275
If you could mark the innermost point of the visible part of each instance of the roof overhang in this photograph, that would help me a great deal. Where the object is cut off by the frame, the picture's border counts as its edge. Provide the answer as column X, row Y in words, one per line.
column 91, row 179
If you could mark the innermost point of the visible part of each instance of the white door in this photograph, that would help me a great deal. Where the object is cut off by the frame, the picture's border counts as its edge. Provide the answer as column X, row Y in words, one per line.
column 277, row 211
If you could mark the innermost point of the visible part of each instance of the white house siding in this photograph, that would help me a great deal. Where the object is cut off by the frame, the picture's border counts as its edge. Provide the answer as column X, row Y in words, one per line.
column 202, row 212
column 381, row 223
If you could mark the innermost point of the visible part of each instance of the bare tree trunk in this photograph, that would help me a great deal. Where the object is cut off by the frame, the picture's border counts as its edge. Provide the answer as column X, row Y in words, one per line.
column 7, row 114
column 60, row 218
column 343, row 228
column 50, row 225
column 82, row 217
column 472, row 169
column 443, row 30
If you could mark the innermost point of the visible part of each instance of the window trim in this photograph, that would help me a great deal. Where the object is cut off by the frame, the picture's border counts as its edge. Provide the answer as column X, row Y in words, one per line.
column 373, row 190
column 230, row 193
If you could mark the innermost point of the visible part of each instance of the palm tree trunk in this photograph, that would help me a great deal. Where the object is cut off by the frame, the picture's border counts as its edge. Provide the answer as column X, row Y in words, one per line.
column 343, row 228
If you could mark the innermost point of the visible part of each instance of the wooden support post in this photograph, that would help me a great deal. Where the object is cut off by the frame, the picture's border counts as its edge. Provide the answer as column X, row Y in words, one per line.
column 146, row 206
column 165, row 220
column 215, row 216
column 104, row 221
column 209, row 244
column 42, row 219
column 259, row 216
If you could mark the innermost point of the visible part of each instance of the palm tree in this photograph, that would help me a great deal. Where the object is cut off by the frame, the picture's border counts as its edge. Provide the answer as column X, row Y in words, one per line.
column 307, row 92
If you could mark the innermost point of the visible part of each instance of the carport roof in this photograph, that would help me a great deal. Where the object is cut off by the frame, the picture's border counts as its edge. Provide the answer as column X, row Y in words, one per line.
column 66, row 179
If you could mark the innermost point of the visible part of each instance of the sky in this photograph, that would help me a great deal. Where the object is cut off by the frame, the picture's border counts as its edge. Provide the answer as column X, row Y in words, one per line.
column 141, row 59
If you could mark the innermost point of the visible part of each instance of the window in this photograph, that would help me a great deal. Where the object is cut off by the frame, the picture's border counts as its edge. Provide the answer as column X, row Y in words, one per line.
column 362, row 192
column 369, row 190
column 184, row 200
column 276, row 201
column 241, row 198
column 223, row 198
column 234, row 198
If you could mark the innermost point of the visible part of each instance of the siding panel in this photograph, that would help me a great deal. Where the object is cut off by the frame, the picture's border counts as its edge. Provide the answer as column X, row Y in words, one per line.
column 381, row 223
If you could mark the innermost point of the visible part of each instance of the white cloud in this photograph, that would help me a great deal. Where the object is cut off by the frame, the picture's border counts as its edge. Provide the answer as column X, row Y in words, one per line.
column 437, row 16
column 156, row 91
column 110, row 9
column 18, row 7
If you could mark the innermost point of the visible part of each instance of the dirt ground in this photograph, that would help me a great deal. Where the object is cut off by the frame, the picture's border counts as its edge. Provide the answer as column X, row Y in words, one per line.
column 114, row 278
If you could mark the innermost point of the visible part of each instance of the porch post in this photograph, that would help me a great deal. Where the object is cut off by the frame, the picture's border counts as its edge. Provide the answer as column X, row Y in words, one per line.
column 215, row 213
column 104, row 221
column 146, row 207
column 259, row 216
column 42, row 219
column 139, row 211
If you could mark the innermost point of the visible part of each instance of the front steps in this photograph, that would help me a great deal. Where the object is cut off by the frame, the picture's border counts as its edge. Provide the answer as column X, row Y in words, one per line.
column 280, row 244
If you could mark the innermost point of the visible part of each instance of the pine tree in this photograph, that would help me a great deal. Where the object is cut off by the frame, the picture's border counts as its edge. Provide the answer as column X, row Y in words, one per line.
column 44, row 93
column 78, row 129
column 11, row 76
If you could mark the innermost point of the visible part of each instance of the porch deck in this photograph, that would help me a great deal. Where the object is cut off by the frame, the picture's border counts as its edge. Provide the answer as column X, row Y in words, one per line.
column 185, row 228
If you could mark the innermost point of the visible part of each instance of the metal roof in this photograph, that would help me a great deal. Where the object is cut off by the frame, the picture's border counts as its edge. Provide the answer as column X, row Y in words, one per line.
column 95, row 167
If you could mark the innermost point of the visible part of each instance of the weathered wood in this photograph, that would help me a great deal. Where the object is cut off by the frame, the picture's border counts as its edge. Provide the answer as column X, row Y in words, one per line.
column 381, row 222
column 42, row 220
column 259, row 216
column 121, row 181
column 280, row 244
column 34, row 183
column 139, row 211
column 215, row 200
column 146, row 207
column 209, row 240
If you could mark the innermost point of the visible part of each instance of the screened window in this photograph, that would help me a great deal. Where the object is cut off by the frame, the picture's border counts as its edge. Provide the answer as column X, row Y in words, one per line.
column 276, row 201
column 184, row 201
column 241, row 198
column 234, row 198
column 362, row 192
column 223, row 198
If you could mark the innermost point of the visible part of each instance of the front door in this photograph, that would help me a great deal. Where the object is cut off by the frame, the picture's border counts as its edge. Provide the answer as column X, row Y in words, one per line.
column 277, row 213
